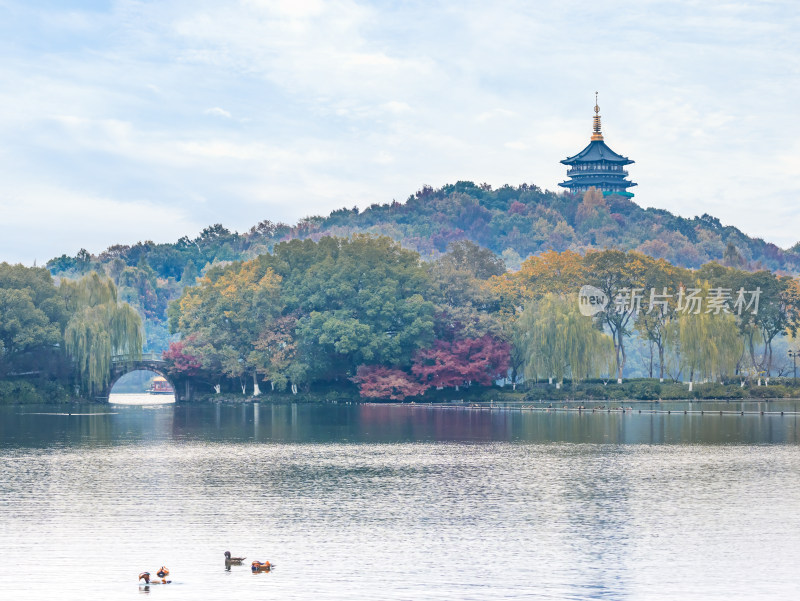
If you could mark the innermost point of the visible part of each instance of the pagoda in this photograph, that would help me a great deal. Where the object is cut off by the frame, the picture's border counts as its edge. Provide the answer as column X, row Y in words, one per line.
column 597, row 166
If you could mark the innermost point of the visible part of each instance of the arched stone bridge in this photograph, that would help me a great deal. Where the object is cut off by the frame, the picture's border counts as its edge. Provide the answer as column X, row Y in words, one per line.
column 124, row 364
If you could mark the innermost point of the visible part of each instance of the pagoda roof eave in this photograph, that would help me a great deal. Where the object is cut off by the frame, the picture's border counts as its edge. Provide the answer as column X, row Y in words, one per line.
column 597, row 150
column 575, row 183
column 599, row 179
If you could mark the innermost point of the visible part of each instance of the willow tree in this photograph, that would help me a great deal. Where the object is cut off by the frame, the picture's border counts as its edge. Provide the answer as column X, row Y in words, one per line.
column 99, row 327
column 557, row 341
column 708, row 346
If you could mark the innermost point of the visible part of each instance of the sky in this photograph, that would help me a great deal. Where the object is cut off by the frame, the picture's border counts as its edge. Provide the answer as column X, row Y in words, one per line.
column 127, row 120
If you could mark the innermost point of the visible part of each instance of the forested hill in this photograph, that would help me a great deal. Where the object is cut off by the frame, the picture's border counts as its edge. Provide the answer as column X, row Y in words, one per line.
column 514, row 222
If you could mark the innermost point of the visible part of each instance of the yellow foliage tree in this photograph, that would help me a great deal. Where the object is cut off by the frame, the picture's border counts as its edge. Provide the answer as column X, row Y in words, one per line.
column 552, row 272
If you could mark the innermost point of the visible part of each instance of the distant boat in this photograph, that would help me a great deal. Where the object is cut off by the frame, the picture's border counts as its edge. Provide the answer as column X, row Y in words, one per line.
column 160, row 386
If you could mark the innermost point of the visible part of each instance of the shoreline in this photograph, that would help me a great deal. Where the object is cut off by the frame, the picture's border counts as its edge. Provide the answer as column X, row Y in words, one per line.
column 591, row 392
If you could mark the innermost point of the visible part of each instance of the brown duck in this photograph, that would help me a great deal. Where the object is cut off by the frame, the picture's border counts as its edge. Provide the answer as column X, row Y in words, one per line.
column 233, row 560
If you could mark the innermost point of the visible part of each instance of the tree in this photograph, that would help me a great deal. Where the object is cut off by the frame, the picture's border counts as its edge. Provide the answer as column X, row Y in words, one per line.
column 556, row 341
column 228, row 310
column 593, row 212
column 732, row 257
column 553, row 272
column 32, row 316
column 275, row 352
column 766, row 305
column 778, row 311
column 83, row 260
column 196, row 358
column 465, row 306
column 189, row 274
column 99, row 328
column 466, row 256
column 380, row 382
column 358, row 302
column 311, row 310
column 24, row 326
column 660, row 281
column 183, row 357
column 470, row 360
column 620, row 276
column 708, row 346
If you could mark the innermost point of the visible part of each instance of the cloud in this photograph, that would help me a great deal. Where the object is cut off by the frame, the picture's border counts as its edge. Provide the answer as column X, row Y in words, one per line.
column 384, row 158
column 57, row 221
column 297, row 9
column 397, row 107
column 494, row 114
column 218, row 112
column 118, row 110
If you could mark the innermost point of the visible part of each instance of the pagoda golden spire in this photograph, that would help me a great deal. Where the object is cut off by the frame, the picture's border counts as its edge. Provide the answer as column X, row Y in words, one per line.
column 596, row 133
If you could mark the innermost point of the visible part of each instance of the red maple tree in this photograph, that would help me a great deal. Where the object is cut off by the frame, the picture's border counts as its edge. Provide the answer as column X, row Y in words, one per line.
column 379, row 382
column 466, row 361
column 182, row 358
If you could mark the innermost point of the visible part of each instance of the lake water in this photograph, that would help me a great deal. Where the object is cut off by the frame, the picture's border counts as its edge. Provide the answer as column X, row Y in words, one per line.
column 398, row 502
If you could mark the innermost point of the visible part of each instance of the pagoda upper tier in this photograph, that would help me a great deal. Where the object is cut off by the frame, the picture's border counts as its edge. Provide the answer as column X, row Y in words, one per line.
column 598, row 166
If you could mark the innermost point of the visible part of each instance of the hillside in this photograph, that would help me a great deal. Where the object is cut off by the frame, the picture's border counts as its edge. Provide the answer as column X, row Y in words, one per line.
column 513, row 222
column 525, row 220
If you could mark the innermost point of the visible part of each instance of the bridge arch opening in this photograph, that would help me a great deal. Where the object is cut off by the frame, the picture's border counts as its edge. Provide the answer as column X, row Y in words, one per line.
column 142, row 387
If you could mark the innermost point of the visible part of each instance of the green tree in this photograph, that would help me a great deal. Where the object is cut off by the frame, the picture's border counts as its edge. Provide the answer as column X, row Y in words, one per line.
column 660, row 282
column 275, row 354
column 466, row 256
column 189, row 275
column 778, row 311
column 766, row 305
column 99, row 327
column 228, row 310
column 558, row 342
column 358, row 301
column 620, row 276
column 466, row 306
column 32, row 315
column 311, row 310
column 708, row 346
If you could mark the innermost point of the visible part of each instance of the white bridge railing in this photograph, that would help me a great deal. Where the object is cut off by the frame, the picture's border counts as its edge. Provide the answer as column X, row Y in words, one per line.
column 143, row 357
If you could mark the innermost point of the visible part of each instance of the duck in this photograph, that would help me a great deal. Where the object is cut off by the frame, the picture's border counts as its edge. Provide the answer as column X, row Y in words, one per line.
column 258, row 566
column 162, row 573
column 233, row 560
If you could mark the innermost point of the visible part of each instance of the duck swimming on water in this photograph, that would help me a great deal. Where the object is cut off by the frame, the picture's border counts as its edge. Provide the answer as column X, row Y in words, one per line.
column 258, row 566
column 233, row 560
column 162, row 573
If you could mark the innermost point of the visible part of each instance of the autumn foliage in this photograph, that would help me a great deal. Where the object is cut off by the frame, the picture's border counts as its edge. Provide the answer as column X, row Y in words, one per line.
column 468, row 361
column 182, row 358
column 379, row 382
